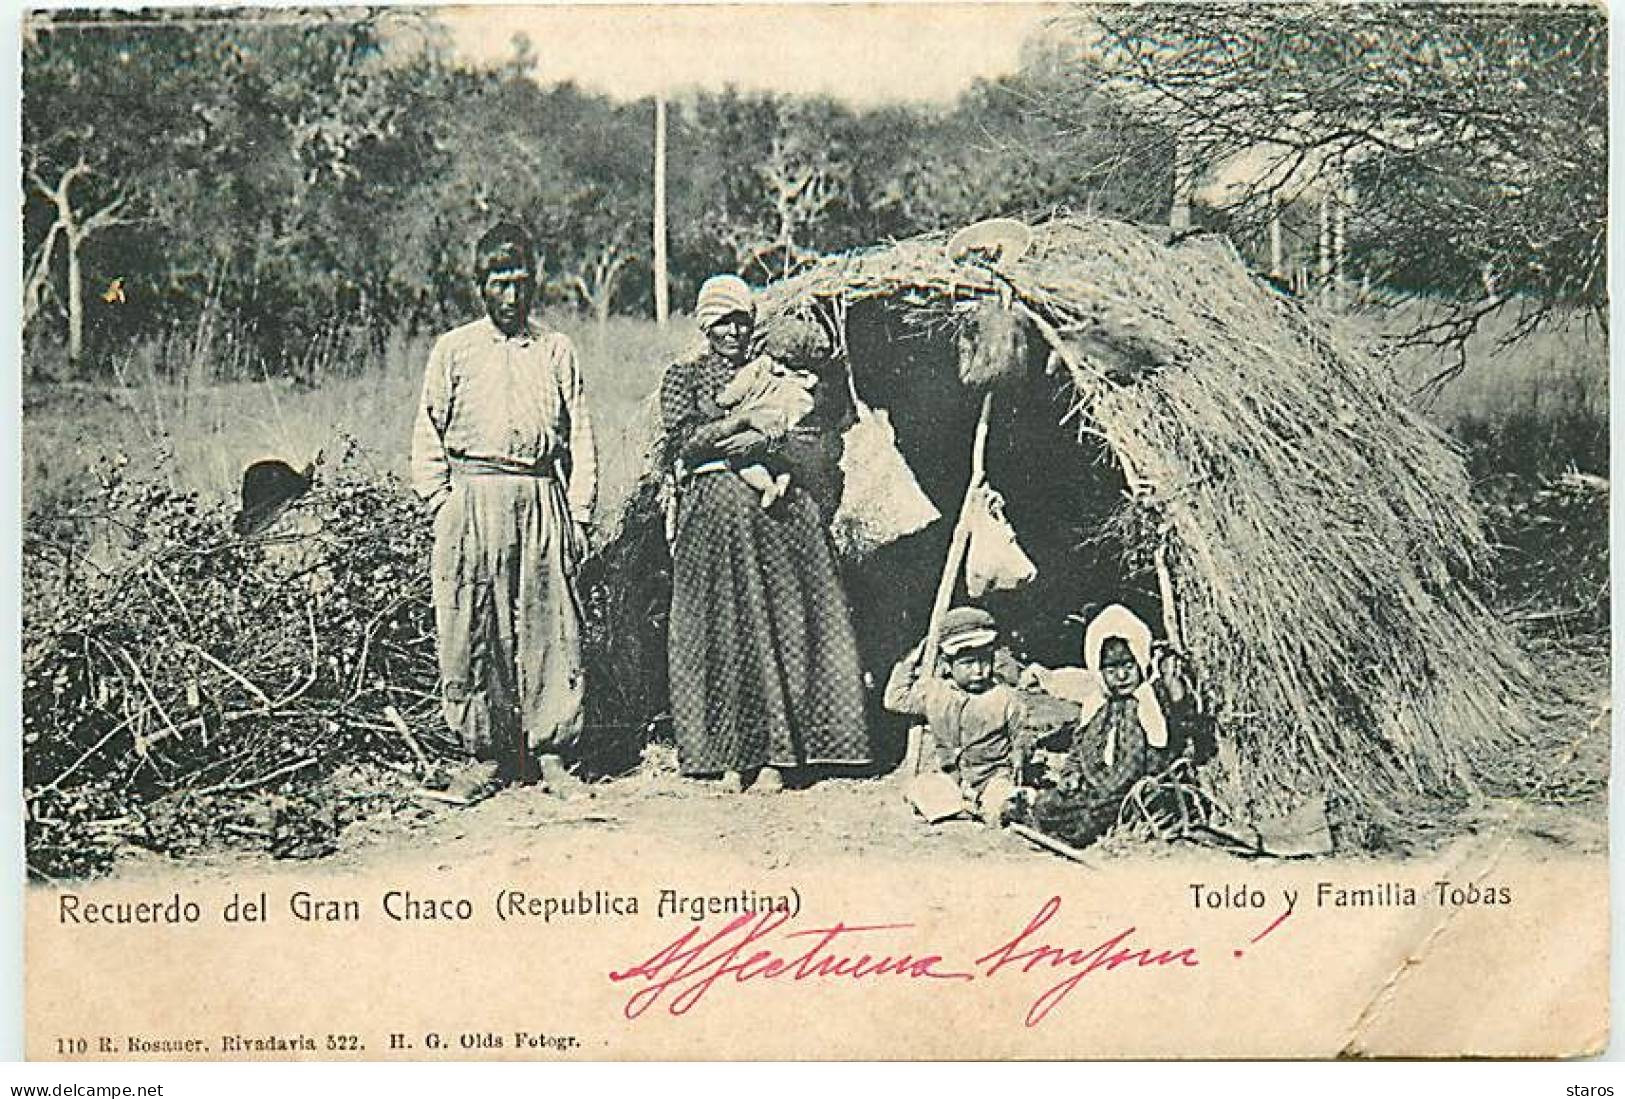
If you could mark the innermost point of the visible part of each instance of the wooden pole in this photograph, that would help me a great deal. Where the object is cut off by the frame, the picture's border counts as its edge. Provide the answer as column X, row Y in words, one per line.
column 961, row 539
column 1165, row 593
column 913, row 757
column 1326, row 247
column 662, row 290
column 1050, row 843
column 1179, row 209
column 1277, row 245
column 1340, row 233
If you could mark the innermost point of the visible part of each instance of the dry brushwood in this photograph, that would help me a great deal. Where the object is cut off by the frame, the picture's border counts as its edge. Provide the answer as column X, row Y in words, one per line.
column 188, row 664
column 1553, row 539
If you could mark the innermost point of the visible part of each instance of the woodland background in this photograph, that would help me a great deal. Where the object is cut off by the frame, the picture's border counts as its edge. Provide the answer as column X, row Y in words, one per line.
column 242, row 228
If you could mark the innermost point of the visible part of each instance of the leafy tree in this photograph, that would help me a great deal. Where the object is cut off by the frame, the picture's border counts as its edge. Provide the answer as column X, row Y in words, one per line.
column 238, row 159
column 1466, row 142
column 764, row 182
column 571, row 165
column 599, row 213
column 87, row 167
column 1032, row 143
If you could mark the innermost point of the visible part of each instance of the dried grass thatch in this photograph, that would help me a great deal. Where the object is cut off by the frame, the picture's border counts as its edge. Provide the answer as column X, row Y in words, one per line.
column 1313, row 531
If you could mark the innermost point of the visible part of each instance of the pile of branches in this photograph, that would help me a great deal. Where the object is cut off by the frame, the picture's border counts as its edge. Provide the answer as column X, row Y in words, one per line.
column 173, row 670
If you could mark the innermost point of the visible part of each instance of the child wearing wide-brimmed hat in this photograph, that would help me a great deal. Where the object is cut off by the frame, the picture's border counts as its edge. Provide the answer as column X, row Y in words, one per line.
column 974, row 720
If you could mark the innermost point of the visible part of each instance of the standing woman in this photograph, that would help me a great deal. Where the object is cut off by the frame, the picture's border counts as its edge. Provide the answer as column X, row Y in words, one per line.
column 764, row 665
column 503, row 457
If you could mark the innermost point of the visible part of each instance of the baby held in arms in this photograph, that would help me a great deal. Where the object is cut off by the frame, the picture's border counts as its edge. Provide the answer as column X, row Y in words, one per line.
column 765, row 384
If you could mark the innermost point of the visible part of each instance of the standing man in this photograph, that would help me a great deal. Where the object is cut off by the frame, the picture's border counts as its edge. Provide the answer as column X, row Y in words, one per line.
column 503, row 459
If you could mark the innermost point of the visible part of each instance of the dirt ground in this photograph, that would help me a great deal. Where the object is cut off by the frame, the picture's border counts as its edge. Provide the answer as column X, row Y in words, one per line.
column 658, row 814
column 662, row 816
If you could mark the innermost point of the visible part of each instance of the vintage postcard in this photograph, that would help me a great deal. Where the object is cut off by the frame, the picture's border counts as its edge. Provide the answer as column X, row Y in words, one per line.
column 811, row 532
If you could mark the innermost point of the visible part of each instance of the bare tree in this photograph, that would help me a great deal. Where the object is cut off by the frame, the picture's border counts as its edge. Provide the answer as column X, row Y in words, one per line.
column 775, row 208
column 600, row 272
column 74, row 224
column 802, row 184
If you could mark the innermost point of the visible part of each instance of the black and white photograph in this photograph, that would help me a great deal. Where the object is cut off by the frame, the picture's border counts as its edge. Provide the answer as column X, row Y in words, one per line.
column 887, row 532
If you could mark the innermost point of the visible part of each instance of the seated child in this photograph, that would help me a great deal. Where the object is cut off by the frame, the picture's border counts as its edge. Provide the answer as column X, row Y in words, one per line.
column 1122, row 733
column 766, row 384
column 973, row 719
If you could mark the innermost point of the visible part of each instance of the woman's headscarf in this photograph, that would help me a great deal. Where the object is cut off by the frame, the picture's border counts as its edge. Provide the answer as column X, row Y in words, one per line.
column 1118, row 621
column 721, row 295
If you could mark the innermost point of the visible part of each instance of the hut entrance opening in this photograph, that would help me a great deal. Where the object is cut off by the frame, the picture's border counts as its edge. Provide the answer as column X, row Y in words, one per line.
column 1060, row 488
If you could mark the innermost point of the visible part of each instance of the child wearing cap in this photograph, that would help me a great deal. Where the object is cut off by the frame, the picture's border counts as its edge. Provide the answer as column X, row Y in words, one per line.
column 973, row 719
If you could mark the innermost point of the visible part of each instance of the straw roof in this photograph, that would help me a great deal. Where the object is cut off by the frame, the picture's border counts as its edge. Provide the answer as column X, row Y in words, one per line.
column 1316, row 531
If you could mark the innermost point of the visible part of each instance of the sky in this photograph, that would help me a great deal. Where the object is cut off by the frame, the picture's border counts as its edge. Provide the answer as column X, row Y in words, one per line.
column 864, row 54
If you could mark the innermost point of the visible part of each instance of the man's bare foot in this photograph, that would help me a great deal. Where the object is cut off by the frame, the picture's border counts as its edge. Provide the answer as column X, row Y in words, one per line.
column 768, row 781
column 558, row 780
column 471, row 782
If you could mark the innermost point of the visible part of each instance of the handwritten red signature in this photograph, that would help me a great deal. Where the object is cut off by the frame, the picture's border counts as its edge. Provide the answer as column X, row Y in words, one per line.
column 751, row 947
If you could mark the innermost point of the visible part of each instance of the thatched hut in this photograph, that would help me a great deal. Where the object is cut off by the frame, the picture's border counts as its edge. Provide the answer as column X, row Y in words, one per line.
column 1168, row 431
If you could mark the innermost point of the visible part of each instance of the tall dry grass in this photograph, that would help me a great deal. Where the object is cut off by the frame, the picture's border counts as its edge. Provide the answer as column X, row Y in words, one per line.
column 1534, row 408
column 1529, row 409
column 164, row 413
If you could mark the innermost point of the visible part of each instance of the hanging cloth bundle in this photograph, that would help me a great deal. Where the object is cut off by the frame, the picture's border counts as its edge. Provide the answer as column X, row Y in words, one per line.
column 994, row 560
column 881, row 501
